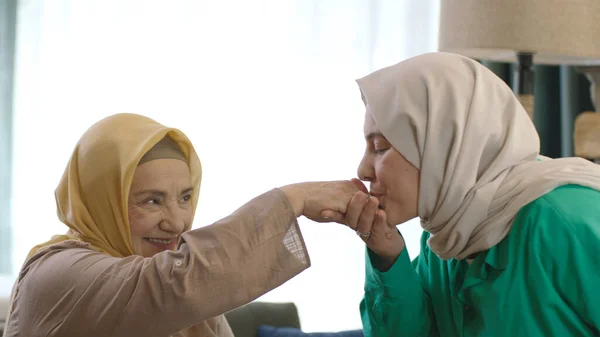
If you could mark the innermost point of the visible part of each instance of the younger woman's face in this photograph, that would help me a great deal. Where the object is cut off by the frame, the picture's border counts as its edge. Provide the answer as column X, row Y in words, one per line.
column 394, row 180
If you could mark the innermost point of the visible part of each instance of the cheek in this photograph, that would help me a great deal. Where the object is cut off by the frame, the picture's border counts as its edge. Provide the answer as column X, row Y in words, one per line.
column 188, row 217
column 141, row 221
column 185, row 212
column 396, row 179
column 387, row 176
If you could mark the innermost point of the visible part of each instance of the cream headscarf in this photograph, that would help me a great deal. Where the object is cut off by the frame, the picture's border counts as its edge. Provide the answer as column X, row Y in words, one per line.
column 474, row 144
column 93, row 193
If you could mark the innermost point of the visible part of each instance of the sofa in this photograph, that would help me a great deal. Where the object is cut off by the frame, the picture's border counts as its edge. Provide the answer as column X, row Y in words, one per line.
column 273, row 319
column 246, row 320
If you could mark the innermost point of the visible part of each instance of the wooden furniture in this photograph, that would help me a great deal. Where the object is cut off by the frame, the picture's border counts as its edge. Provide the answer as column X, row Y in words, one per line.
column 587, row 135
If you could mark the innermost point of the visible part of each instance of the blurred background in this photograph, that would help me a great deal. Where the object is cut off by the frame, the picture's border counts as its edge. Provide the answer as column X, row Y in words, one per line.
column 264, row 88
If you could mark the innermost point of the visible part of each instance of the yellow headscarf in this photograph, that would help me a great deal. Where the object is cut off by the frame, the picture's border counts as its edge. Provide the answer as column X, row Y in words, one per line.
column 92, row 195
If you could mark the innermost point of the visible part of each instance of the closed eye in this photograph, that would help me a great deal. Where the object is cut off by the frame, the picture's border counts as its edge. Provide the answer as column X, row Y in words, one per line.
column 380, row 151
column 379, row 144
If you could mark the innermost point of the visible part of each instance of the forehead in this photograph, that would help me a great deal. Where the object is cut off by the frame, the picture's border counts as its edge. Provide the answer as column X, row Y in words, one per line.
column 160, row 171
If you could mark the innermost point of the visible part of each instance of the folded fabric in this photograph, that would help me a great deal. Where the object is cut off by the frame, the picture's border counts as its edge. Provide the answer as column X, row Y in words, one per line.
column 271, row 331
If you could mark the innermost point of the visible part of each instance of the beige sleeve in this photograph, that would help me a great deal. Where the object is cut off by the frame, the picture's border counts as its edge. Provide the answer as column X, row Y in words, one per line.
column 216, row 269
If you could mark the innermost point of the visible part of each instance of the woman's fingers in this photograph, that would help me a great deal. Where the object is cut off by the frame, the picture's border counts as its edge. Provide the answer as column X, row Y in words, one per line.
column 367, row 218
column 385, row 240
column 380, row 226
column 355, row 208
column 359, row 184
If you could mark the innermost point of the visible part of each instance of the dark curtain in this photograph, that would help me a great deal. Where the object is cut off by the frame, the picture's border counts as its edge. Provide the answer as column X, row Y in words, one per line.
column 561, row 93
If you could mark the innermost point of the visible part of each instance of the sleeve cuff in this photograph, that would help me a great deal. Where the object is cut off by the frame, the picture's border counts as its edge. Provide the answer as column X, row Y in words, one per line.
column 398, row 282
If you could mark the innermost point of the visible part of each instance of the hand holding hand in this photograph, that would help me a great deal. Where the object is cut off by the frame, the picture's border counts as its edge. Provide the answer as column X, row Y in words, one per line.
column 370, row 223
column 317, row 200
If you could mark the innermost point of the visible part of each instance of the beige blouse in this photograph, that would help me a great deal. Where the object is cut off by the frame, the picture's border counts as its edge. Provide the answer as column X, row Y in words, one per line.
column 70, row 290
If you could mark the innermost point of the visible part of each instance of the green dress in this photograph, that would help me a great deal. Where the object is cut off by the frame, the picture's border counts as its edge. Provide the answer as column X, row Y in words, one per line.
column 543, row 279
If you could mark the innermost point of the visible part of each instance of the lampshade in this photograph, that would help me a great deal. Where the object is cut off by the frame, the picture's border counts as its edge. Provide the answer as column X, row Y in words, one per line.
column 555, row 31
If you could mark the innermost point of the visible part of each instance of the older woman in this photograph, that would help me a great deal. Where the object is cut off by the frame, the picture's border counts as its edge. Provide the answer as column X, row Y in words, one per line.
column 130, row 265
column 511, row 240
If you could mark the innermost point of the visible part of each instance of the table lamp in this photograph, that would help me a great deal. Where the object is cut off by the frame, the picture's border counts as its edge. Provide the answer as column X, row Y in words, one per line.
column 523, row 32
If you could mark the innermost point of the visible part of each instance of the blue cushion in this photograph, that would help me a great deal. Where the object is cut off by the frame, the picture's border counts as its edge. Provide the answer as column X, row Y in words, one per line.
column 271, row 331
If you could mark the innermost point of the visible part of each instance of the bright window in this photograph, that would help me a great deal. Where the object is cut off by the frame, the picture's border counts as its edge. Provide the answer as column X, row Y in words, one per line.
column 264, row 89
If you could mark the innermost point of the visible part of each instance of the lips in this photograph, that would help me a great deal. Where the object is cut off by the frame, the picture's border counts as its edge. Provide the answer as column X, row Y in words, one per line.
column 163, row 243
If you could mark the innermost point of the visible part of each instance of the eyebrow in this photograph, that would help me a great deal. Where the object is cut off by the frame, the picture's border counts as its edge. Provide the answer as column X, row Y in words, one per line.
column 161, row 194
column 373, row 135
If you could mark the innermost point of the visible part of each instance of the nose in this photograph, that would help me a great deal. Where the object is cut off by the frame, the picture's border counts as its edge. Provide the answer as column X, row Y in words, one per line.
column 365, row 171
column 174, row 220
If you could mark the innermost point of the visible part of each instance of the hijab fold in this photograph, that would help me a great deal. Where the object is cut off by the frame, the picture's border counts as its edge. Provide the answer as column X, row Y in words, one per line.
column 476, row 148
column 92, row 195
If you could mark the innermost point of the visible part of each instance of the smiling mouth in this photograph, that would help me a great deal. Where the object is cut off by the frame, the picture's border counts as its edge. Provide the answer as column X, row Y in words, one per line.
column 162, row 243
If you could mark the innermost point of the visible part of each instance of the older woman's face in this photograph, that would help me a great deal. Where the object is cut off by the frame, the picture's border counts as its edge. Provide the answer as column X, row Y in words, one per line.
column 160, row 206
column 394, row 180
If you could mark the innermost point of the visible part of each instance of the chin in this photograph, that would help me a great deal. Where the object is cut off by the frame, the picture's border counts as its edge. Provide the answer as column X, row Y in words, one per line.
column 151, row 251
column 397, row 219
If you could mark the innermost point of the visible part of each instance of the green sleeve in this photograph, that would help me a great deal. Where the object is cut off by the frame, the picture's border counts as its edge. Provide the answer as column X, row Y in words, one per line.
column 571, row 247
column 395, row 302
